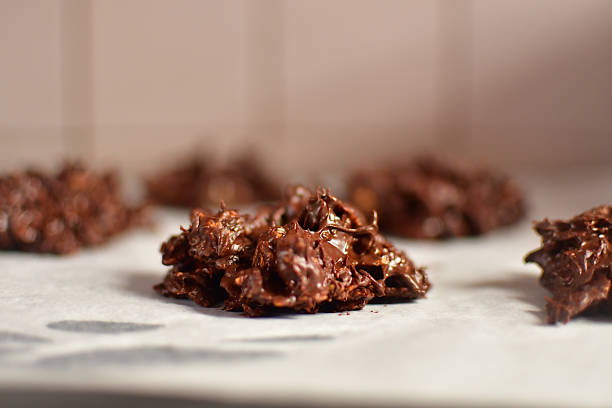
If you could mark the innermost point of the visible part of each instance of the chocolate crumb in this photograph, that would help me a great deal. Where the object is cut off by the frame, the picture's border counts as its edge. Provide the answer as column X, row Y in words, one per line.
column 576, row 261
column 311, row 252
column 436, row 198
column 198, row 183
column 63, row 212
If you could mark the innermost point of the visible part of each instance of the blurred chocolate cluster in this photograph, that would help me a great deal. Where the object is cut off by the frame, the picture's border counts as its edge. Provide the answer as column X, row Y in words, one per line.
column 60, row 213
column 199, row 183
column 437, row 197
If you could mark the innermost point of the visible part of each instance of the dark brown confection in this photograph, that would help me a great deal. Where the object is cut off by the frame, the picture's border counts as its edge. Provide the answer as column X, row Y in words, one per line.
column 311, row 252
column 62, row 213
column 576, row 259
column 436, row 199
column 198, row 183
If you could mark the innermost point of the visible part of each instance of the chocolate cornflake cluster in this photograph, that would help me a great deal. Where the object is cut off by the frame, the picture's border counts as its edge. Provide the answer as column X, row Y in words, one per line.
column 199, row 182
column 437, row 198
column 576, row 259
column 309, row 253
column 63, row 212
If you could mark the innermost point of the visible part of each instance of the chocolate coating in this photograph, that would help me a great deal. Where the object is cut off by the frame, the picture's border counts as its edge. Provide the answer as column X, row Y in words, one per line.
column 199, row 183
column 437, row 198
column 64, row 212
column 576, row 259
column 308, row 253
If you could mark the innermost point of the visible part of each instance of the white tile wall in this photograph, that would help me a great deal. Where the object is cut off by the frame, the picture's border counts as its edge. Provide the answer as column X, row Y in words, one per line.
column 542, row 81
column 30, row 82
column 128, row 81
column 360, row 78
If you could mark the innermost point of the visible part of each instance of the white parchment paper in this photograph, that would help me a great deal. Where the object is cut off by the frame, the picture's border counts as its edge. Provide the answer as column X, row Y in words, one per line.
column 92, row 322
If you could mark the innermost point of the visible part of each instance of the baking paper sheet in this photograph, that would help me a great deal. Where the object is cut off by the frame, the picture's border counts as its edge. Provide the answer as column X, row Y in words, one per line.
column 91, row 322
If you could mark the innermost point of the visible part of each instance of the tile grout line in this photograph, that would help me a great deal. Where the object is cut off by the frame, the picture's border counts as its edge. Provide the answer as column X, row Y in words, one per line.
column 77, row 71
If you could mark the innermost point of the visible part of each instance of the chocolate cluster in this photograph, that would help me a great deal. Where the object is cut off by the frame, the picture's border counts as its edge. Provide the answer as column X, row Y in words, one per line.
column 63, row 212
column 309, row 253
column 576, row 260
column 437, row 198
column 201, row 183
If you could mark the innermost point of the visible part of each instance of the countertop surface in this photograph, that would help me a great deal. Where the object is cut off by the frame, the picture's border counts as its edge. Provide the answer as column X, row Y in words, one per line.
column 90, row 324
